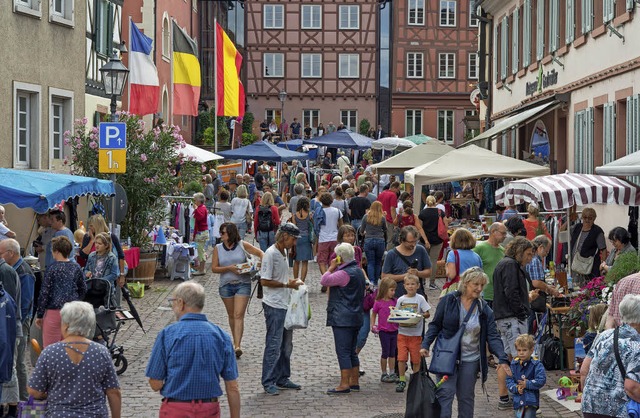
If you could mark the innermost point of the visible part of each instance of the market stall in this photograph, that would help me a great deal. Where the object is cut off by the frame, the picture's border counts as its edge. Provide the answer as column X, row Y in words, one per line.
column 419, row 138
column 429, row 151
column 471, row 162
column 198, row 155
column 342, row 138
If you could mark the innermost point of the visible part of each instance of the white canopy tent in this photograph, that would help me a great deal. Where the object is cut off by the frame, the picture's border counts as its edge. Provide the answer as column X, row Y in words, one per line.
column 628, row 165
column 406, row 160
column 471, row 162
column 199, row 155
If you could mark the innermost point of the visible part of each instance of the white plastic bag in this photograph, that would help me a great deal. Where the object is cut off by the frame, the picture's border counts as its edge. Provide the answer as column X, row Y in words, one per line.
column 299, row 311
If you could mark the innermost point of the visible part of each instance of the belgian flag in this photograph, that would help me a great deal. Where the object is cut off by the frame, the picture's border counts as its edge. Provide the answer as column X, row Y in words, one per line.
column 186, row 73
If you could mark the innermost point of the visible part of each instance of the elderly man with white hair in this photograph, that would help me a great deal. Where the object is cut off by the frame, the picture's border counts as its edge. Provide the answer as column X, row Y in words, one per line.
column 611, row 369
column 344, row 314
column 5, row 232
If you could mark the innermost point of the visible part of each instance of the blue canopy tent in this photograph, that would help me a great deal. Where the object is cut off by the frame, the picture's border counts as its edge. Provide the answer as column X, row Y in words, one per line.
column 296, row 144
column 41, row 191
column 343, row 138
column 263, row 150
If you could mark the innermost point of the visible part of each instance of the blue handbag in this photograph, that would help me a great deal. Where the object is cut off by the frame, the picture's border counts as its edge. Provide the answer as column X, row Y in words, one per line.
column 446, row 351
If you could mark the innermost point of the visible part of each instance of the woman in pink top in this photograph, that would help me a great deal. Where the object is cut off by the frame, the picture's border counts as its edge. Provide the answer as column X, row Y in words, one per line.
column 200, row 230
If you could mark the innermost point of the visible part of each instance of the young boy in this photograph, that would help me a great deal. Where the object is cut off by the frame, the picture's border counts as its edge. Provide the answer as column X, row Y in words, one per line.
column 528, row 377
column 410, row 337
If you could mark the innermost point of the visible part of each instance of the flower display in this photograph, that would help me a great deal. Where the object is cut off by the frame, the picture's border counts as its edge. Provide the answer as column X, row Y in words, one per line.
column 155, row 167
column 594, row 292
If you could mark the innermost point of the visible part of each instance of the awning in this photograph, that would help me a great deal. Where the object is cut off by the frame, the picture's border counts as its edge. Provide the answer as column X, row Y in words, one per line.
column 626, row 166
column 513, row 121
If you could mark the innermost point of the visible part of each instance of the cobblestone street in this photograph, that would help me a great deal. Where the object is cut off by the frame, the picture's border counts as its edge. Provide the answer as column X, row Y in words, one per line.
column 314, row 365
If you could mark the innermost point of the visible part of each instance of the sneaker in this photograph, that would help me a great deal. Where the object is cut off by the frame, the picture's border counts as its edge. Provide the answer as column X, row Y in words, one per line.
column 390, row 378
column 272, row 390
column 432, row 286
column 289, row 385
column 384, row 377
column 505, row 405
column 400, row 386
column 323, row 289
column 361, row 372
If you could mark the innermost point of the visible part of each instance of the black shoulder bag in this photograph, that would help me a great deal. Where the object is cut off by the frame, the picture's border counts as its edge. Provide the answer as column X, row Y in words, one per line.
column 420, row 279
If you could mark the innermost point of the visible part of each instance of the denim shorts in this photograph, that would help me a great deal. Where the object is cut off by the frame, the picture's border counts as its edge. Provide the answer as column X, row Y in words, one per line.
column 230, row 290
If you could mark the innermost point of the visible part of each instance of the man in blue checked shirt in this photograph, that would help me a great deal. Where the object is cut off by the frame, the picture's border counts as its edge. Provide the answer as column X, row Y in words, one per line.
column 188, row 359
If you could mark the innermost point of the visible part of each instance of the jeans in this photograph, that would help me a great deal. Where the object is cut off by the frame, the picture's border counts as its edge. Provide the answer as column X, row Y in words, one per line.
column 462, row 385
column 276, row 362
column 363, row 334
column 356, row 223
column 266, row 239
column 374, row 250
column 525, row 412
column 242, row 229
column 345, row 341
column 434, row 253
column 21, row 365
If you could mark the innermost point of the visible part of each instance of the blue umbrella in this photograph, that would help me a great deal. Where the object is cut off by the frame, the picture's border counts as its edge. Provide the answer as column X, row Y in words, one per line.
column 292, row 144
column 343, row 138
column 42, row 191
column 263, row 150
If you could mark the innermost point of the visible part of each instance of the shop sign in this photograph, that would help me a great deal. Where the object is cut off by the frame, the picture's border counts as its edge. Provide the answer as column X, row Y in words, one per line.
column 542, row 82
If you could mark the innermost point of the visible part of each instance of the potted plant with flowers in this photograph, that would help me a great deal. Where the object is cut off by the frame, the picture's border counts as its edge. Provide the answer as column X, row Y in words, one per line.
column 155, row 167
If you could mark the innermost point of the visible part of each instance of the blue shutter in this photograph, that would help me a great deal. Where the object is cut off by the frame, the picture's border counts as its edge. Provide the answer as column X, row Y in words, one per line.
column 587, row 16
column 608, row 10
column 609, row 132
column 570, row 22
column 588, row 142
column 633, row 129
column 526, row 34
column 578, row 141
column 540, row 30
column 504, row 48
column 630, row 4
column 554, row 24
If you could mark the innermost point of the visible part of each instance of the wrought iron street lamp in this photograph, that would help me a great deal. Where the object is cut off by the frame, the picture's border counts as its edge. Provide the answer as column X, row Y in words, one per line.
column 114, row 78
column 282, row 96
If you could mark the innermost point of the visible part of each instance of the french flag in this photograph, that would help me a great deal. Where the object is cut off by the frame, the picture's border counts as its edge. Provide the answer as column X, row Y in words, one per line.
column 143, row 75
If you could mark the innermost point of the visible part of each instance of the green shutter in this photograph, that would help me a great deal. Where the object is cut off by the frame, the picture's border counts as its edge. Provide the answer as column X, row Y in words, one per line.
column 504, row 48
column 540, row 30
column 588, row 141
column 570, row 22
column 633, row 129
column 514, row 41
column 578, row 141
column 630, row 4
column 609, row 132
column 526, row 33
column 554, row 28
column 608, row 10
column 587, row 16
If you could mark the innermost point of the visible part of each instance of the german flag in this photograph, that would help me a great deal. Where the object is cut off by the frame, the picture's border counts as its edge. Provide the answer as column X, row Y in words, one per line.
column 229, row 88
column 186, row 73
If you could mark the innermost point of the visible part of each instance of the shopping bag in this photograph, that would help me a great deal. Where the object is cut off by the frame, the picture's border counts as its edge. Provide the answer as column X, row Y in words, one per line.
column 136, row 289
column 633, row 409
column 421, row 395
column 298, row 312
column 32, row 408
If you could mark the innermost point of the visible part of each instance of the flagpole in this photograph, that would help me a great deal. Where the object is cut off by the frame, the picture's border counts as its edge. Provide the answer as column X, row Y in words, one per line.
column 166, row 118
column 215, row 82
column 128, row 84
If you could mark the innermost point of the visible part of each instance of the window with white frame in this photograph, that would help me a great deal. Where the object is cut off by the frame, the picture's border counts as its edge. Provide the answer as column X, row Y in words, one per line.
column 348, row 66
column 473, row 65
column 413, row 122
column 583, row 141
column 61, row 11
column 609, row 132
column 446, row 65
column 447, row 13
column 26, row 143
column 349, row 17
column 445, row 126
column 471, row 133
column 310, row 117
column 554, row 25
column 349, row 119
column 273, row 64
column 473, row 19
column 60, row 120
column 28, row 7
column 311, row 16
column 415, row 65
column 587, row 16
column 273, row 16
column 311, row 65
column 633, row 129
column 166, row 38
column 104, row 27
column 416, row 12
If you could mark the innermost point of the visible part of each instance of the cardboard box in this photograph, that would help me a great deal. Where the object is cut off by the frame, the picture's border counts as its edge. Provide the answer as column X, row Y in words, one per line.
column 569, row 358
column 567, row 338
column 441, row 269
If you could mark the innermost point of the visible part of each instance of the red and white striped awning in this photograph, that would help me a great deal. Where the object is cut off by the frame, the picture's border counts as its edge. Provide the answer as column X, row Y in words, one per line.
column 562, row 191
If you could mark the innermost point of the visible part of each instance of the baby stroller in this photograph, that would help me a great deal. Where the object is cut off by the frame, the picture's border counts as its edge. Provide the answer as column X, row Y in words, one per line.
column 109, row 319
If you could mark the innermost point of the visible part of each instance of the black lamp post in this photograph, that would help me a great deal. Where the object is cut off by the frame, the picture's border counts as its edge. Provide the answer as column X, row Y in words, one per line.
column 282, row 96
column 114, row 77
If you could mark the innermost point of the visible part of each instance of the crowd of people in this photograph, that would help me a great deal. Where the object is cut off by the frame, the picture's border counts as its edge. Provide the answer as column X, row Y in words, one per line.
column 375, row 256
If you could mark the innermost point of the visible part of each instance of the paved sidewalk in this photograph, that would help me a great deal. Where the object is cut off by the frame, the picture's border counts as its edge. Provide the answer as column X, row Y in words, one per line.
column 314, row 365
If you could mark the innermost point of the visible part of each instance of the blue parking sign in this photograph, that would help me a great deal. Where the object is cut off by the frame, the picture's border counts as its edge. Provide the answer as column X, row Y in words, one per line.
column 113, row 135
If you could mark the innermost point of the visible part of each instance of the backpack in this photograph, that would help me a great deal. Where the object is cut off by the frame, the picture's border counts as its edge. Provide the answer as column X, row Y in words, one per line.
column 550, row 352
column 265, row 223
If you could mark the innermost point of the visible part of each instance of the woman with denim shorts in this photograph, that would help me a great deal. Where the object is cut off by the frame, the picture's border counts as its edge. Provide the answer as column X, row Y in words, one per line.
column 235, row 288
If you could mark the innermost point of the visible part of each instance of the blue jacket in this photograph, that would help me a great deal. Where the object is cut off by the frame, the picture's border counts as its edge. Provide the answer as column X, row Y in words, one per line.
column 111, row 268
column 447, row 321
column 344, row 307
column 533, row 371
column 8, row 324
column 27, row 288
column 318, row 217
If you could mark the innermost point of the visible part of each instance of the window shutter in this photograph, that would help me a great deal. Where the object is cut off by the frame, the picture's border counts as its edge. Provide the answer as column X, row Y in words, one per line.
column 587, row 16
column 554, row 16
column 630, row 4
column 633, row 131
column 588, row 149
column 526, row 33
column 578, row 141
column 540, row 30
column 608, row 10
column 609, row 132
column 570, row 23
column 504, row 48
column 514, row 41
column 505, row 144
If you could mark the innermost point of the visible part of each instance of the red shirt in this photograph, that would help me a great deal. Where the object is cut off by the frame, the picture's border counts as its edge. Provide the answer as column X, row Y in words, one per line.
column 389, row 201
column 200, row 215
